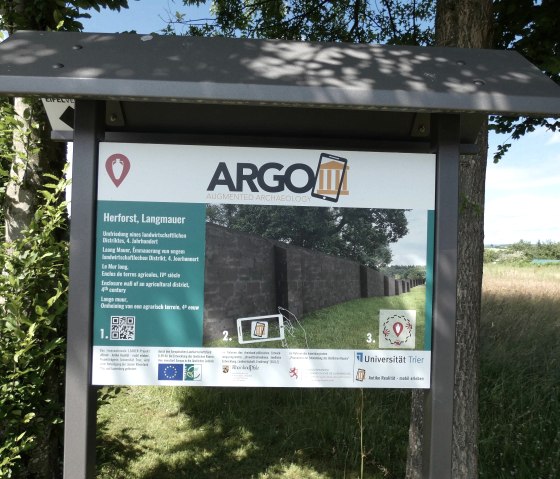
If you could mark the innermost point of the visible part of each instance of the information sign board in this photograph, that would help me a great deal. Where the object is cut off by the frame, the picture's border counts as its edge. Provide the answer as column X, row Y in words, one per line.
column 181, row 301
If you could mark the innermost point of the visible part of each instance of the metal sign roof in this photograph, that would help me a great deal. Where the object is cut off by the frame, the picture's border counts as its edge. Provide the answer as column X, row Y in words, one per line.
column 131, row 67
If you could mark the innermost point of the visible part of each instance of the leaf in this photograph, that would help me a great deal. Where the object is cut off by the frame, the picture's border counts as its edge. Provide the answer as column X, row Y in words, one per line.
column 28, row 417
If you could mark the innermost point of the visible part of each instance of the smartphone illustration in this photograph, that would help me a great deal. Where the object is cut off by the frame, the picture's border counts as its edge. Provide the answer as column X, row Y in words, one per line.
column 257, row 329
column 330, row 178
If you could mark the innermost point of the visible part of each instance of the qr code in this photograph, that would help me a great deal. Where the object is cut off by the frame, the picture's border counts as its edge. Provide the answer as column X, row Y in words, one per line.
column 123, row 327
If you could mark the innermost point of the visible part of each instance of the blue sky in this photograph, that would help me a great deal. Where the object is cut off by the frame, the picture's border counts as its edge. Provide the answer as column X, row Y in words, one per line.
column 143, row 16
column 522, row 191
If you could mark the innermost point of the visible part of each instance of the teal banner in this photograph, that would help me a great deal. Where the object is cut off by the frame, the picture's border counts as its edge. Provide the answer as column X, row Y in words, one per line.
column 149, row 281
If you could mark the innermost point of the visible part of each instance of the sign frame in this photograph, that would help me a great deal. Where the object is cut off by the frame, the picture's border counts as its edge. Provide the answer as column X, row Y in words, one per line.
column 150, row 213
column 80, row 395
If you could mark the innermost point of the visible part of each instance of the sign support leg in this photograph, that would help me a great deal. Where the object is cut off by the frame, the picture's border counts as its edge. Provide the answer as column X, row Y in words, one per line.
column 438, row 408
column 80, row 401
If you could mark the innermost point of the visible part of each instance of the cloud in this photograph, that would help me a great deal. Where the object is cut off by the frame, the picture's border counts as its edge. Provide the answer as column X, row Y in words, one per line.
column 522, row 179
column 523, row 192
column 411, row 249
column 531, row 217
column 553, row 138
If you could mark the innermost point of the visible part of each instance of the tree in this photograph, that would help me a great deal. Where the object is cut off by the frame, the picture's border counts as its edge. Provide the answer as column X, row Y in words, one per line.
column 33, row 151
column 34, row 261
column 355, row 21
column 530, row 28
column 357, row 233
column 33, row 292
column 468, row 24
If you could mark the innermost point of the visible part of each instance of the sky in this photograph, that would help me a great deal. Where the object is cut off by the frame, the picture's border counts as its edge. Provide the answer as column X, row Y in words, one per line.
column 143, row 16
column 522, row 190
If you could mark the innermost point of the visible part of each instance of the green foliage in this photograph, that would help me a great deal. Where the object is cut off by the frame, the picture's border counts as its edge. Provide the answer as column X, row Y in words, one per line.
column 33, row 279
column 33, row 302
column 540, row 250
column 390, row 21
column 405, row 272
column 530, row 28
column 50, row 15
column 522, row 252
column 7, row 124
column 357, row 233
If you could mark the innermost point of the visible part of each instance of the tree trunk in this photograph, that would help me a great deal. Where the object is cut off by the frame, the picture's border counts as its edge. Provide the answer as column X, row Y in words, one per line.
column 415, row 435
column 468, row 24
column 472, row 174
column 34, row 155
column 25, row 177
column 465, row 24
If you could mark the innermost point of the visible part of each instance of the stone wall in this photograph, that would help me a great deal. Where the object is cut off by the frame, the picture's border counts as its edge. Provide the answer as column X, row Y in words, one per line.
column 247, row 275
column 239, row 278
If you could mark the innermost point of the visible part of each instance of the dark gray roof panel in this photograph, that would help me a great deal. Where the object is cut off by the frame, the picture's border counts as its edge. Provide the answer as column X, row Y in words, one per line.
column 219, row 70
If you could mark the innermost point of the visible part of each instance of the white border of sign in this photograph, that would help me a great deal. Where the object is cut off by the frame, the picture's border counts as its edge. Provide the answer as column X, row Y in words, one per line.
column 147, row 173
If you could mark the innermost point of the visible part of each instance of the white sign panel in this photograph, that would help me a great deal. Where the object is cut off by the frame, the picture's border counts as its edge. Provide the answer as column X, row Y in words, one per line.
column 271, row 176
column 262, row 367
column 180, row 301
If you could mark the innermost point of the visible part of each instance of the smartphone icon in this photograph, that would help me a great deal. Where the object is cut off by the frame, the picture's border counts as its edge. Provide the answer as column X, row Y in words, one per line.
column 330, row 178
column 257, row 329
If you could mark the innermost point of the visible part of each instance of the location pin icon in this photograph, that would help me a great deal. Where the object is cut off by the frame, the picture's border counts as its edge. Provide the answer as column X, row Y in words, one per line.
column 397, row 328
column 117, row 167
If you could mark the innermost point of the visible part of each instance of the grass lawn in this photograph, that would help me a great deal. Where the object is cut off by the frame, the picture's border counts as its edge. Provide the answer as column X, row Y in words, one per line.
column 203, row 433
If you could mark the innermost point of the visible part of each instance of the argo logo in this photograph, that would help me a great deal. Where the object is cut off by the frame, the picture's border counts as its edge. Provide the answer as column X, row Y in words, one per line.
column 328, row 182
column 270, row 177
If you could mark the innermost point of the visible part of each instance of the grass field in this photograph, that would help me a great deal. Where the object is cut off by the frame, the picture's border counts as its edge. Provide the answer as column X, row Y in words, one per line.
column 316, row 434
column 520, row 372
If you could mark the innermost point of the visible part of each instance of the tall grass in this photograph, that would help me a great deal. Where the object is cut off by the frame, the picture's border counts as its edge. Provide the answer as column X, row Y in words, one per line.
column 520, row 373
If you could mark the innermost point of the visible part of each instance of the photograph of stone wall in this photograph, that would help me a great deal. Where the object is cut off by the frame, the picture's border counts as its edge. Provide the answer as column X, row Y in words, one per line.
column 247, row 275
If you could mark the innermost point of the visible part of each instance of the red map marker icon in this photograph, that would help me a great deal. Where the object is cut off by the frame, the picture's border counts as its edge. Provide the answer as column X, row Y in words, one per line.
column 398, row 327
column 117, row 167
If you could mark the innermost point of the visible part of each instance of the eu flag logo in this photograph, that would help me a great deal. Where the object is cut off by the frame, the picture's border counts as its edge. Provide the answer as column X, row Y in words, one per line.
column 170, row 372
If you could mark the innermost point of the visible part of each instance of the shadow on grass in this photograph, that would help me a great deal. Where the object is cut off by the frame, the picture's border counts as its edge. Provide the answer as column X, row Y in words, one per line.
column 116, row 451
column 267, row 433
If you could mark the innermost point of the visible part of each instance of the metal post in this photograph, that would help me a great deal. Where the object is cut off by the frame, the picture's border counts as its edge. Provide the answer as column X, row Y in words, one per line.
column 438, row 415
column 80, row 403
